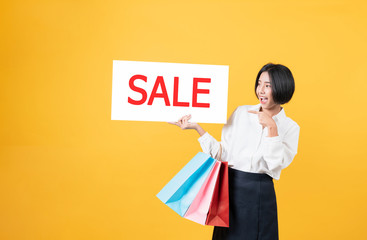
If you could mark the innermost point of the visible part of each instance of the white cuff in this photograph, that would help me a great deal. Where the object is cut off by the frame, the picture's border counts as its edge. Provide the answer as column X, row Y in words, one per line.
column 272, row 139
column 205, row 137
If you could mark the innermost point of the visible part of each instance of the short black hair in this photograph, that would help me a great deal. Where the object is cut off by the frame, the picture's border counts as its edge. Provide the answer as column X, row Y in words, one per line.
column 282, row 82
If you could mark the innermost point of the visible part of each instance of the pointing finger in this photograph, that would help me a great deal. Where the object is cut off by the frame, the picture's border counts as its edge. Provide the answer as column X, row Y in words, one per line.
column 251, row 111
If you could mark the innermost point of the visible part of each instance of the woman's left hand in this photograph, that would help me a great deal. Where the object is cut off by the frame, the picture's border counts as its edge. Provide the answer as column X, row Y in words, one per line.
column 264, row 119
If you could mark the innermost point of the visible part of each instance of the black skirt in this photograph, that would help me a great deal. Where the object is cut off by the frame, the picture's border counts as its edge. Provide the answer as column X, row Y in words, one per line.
column 252, row 208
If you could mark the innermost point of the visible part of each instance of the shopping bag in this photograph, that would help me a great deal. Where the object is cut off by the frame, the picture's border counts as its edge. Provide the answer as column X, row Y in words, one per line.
column 218, row 214
column 199, row 208
column 179, row 193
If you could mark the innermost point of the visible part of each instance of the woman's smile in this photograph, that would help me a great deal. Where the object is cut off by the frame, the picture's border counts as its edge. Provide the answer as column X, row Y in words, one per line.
column 263, row 100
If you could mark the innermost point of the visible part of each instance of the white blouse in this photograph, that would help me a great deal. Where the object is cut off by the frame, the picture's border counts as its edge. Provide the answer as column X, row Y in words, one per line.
column 246, row 147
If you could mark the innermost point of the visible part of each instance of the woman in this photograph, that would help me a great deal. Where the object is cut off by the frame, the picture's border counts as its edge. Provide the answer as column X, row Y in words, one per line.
column 258, row 141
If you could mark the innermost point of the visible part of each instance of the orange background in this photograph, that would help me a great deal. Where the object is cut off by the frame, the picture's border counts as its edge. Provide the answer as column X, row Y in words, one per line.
column 67, row 171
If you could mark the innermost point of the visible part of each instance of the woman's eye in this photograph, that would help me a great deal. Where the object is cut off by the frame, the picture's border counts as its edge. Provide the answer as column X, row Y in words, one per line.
column 267, row 85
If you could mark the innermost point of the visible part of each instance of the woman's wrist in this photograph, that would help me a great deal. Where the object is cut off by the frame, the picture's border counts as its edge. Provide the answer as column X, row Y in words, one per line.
column 272, row 130
column 200, row 130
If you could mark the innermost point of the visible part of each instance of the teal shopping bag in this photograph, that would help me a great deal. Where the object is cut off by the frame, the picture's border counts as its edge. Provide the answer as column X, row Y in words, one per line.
column 180, row 192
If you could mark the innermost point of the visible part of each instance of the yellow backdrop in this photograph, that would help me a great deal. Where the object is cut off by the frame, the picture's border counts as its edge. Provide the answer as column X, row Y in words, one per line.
column 67, row 171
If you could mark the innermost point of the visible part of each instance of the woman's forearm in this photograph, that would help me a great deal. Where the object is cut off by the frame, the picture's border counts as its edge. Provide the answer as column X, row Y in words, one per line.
column 272, row 131
column 200, row 130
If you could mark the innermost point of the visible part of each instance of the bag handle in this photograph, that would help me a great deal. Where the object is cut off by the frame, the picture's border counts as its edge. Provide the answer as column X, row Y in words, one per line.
column 220, row 152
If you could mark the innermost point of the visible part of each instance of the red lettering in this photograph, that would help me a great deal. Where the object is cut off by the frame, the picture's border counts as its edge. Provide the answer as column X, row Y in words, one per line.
column 175, row 96
column 163, row 95
column 196, row 91
column 160, row 83
column 137, row 89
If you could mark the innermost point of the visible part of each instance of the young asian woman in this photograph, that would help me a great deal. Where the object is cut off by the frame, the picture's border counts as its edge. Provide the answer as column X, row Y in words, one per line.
column 258, row 141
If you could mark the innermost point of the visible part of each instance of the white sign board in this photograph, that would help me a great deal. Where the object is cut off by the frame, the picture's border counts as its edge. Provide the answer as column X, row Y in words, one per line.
column 152, row 91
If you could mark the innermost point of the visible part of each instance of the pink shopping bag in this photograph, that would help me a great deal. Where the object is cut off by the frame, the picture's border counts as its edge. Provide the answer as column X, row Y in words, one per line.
column 218, row 214
column 199, row 208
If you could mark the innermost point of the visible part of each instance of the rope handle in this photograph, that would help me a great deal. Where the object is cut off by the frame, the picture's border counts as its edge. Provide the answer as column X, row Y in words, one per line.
column 220, row 152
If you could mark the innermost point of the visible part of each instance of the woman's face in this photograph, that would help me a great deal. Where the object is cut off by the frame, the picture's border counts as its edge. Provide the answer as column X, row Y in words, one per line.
column 264, row 93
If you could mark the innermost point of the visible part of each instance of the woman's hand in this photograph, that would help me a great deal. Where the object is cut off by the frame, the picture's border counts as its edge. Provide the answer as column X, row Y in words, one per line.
column 184, row 123
column 266, row 121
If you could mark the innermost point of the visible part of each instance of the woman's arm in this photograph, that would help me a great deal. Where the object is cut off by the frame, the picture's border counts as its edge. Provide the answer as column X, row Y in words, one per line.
column 207, row 142
column 279, row 153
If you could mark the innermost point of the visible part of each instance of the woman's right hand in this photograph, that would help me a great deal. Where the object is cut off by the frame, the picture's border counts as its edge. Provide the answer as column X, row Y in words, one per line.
column 184, row 123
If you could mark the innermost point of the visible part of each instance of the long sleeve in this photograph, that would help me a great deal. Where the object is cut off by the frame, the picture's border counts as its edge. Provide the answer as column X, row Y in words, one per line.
column 278, row 153
column 211, row 146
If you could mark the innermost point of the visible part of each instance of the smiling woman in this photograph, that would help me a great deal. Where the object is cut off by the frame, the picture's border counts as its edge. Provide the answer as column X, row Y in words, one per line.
column 257, row 142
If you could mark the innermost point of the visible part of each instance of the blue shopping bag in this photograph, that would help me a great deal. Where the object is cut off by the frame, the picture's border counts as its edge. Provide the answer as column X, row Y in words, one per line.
column 180, row 192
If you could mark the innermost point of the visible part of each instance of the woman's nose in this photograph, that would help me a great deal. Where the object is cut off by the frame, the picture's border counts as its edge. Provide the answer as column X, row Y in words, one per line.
column 261, row 89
